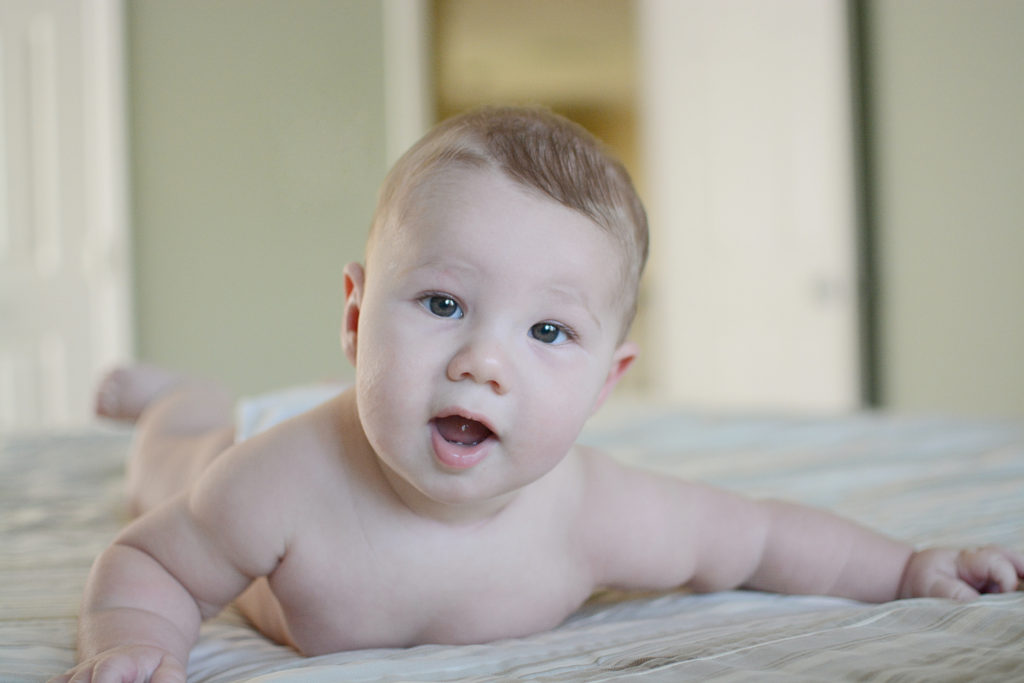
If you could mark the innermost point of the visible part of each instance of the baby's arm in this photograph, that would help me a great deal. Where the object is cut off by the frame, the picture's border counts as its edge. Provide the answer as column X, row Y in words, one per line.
column 672, row 533
column 797, row 549
column 140, row 616
column 811, row 551
column 148, row 593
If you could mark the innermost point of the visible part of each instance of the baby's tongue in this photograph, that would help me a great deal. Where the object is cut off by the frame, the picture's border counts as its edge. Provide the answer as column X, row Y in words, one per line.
column 461, row 430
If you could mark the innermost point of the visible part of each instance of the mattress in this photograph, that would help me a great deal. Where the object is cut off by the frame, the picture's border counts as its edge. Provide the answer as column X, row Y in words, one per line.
column 930, row 480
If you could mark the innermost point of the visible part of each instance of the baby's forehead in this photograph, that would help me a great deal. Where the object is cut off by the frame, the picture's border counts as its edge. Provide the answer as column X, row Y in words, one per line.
column 449, row 190
column 475, row 197
column 471, row 223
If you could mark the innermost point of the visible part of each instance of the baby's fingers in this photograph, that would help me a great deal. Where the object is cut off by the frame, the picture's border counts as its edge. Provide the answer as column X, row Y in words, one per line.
column 145, row 664
column 952, row 588
column 991, row 569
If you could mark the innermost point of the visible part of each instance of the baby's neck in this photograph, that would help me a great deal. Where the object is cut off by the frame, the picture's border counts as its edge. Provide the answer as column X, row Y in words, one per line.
column 468, row 515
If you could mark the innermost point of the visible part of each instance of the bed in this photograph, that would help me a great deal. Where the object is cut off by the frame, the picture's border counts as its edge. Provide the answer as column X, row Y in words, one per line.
column 931, row 480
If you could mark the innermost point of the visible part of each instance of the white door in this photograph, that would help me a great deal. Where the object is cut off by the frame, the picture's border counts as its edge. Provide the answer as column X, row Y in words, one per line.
column 64, row 279
column 747, row 121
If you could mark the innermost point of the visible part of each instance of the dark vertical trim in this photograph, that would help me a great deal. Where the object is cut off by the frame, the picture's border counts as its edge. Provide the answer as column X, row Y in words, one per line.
column 866, row 245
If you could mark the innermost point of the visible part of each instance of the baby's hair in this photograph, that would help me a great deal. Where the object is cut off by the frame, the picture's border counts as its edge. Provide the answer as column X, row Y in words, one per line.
column 540, row 150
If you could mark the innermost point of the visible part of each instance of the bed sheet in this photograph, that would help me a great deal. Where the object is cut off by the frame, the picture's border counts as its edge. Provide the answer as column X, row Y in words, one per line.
column 931, row 480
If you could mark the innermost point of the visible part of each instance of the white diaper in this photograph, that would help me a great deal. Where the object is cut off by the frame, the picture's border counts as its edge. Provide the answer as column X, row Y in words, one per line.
column 255, row 414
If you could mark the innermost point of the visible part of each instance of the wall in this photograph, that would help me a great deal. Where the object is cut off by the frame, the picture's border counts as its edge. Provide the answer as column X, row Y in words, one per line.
column 257, row 145
column 947, row 172
column 746, row 117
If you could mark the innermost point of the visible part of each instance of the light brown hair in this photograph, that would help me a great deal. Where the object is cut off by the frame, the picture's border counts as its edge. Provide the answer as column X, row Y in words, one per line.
column 542, row 151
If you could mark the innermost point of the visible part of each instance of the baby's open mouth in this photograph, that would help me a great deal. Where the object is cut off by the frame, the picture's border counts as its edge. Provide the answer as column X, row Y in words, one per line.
column 461, row 430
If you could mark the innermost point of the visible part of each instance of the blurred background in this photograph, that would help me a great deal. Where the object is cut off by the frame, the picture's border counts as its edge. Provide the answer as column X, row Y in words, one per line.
column 834, row 186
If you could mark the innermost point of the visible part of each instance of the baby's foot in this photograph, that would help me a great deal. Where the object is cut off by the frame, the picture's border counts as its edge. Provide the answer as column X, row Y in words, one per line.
column 126, row 391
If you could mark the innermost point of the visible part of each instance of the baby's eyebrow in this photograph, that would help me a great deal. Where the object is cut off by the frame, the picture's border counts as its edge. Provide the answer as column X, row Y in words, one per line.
column 559, row 294
column 573, row 297
column 447, row 269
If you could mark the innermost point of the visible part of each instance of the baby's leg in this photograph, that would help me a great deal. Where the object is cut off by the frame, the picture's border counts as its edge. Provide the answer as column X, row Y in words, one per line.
column 181, row 425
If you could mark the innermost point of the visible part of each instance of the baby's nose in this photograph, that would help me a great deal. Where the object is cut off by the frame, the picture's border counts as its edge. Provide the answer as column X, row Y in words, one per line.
column 483, row 361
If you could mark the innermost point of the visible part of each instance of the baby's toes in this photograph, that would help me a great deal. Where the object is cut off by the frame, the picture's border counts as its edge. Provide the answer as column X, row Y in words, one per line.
column 108, row 392
column 126, row 391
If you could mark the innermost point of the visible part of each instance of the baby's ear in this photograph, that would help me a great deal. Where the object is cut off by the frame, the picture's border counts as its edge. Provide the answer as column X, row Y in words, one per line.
column 355, row 278
column 621, row 360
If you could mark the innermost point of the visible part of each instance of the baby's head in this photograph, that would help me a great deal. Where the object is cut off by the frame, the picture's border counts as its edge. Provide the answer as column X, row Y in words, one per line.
column 541, row 151
column 489, row 320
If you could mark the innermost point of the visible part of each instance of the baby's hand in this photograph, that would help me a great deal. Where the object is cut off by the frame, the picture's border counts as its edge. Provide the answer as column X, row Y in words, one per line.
column 961, row 575
column 126, row 665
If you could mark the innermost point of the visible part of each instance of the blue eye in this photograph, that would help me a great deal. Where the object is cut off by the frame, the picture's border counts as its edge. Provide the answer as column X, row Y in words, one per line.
column 550, row 333
column 443, row 306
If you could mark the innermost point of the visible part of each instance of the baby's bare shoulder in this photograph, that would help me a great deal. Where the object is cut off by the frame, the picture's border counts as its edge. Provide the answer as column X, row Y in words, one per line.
column 280, row 469
column 609, row 481
column 637, row 523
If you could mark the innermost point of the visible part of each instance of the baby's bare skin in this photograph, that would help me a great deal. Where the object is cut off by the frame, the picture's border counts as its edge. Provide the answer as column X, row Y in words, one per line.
column 354, row 567
column 441, row 500
column 306, row 504
column 348, row 565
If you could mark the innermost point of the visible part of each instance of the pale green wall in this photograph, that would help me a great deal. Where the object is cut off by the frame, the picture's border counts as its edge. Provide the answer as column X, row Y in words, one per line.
column 257, row 146
column 947, row 136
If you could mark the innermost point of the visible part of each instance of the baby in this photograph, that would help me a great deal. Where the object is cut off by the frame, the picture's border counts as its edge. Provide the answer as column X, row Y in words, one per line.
column 441, row 498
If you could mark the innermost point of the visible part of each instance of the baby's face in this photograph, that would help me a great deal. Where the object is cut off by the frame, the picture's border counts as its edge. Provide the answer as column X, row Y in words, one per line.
column 487, row 334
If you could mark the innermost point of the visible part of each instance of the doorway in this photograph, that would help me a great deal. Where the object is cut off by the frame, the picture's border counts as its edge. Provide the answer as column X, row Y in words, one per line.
column 64, row 261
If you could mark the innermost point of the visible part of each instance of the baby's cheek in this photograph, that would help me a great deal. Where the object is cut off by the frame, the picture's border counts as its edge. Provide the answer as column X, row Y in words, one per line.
column 558, row 427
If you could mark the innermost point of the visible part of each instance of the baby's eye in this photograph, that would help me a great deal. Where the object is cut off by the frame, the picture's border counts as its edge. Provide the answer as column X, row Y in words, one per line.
column 550, row 333
column 442, row 305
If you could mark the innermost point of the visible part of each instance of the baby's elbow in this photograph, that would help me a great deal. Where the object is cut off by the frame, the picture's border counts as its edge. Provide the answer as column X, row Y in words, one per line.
column 720, row 578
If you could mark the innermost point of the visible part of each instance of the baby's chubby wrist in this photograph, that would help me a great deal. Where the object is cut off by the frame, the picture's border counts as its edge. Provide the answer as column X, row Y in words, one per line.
column 920, row 570
column 103, row 630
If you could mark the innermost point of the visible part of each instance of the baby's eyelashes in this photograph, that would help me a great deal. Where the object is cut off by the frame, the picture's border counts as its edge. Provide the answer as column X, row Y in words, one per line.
column 551, row 333
column 442, row 305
